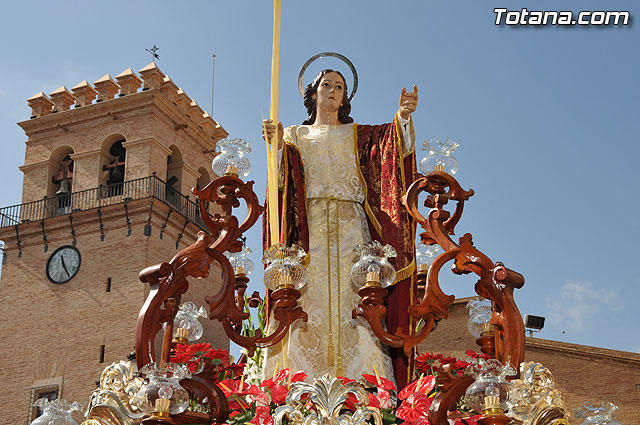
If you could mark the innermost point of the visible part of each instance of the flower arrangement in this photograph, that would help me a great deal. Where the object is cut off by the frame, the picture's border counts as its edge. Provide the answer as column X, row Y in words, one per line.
column 257, row 403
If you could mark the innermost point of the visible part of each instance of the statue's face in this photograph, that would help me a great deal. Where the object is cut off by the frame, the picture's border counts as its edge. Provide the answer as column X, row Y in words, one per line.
column 330, row 91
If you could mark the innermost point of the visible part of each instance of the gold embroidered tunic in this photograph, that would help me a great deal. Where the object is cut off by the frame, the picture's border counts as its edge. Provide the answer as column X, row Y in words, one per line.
column 331, row 341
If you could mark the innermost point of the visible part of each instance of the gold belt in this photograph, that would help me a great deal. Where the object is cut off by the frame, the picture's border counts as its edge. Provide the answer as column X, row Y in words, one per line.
column 333, row 199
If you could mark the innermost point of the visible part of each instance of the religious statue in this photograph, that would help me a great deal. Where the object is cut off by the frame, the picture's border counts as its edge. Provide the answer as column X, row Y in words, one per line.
column 340, row 185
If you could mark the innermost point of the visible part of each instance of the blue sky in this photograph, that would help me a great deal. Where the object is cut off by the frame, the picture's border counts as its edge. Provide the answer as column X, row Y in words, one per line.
column 547, row 118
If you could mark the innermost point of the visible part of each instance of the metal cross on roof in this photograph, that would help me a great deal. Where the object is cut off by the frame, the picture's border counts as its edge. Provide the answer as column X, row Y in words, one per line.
column 153, row 51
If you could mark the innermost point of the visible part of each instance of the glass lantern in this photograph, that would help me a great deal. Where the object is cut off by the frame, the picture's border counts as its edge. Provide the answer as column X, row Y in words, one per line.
column 425, row 254
column 162, row 395
column 602, row 414
column 186, row 325
column 240, row 261
column 490, row 381
column 232, row 158
column 439, row 156
column 56, row 412
column 284, row 267
column 373, row 267
column 479, row 316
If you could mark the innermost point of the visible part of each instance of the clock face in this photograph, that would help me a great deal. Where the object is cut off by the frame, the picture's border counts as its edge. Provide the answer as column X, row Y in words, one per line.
column 63, row 264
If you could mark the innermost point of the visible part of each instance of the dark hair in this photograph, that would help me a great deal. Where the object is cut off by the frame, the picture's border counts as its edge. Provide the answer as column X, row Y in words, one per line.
column 310, row 103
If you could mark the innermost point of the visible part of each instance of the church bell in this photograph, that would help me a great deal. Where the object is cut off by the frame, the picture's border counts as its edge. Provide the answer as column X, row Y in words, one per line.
column 117, row 173
column 65, row 188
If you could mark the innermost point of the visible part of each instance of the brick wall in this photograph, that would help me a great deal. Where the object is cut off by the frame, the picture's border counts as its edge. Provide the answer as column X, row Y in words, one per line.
column 54, row 333
column 62, row 327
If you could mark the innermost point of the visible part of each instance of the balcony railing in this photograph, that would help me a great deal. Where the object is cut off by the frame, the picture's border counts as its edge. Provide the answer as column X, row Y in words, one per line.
column 102, row 196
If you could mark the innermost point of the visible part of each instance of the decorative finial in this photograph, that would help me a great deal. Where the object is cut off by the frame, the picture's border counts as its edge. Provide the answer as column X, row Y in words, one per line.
column 153, row 51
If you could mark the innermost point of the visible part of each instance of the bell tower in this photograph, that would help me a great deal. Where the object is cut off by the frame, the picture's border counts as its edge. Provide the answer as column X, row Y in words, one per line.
column 108, row 173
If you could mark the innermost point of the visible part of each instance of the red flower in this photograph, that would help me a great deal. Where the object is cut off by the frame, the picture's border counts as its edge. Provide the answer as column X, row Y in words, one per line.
column 379, row 381
column 192, row 366
column 236, row 369
column 232, row 386
column 424, row 362
column 415, row 409
column 254, row 394
column 218, row 356
column 262, row 416
column 199, row 350
column 278, row 379
column 299, row 376
column 475, row 355
column 352, row 399
column 181, row 354
column 427, row 383
column 460, row 364
column 279, row 394
column 448, row 360
column 345, row 380
column 383, row 399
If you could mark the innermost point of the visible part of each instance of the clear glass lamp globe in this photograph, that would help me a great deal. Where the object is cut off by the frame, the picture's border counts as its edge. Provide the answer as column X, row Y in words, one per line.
column 490, row 380
column 373, row 264
column 163, row 388
column 284, row 267
column 425, row 254
column 187, row 319
column 600, row 414
column 240, row 261
column 479, row 316
column 232, row 158
column 439, row 156
column 56, row 412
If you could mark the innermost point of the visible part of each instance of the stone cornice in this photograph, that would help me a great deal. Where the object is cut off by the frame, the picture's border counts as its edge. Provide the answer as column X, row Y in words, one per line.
column 39, row 164
column 75, row 116
column 583, row 351
column 89, row 154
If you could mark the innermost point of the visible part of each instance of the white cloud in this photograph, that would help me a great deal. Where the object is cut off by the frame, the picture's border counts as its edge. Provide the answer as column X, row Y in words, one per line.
column 576, row 304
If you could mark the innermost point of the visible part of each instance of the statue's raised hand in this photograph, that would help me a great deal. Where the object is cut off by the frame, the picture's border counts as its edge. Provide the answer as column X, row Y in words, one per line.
column 269, row 129
column 408, row 102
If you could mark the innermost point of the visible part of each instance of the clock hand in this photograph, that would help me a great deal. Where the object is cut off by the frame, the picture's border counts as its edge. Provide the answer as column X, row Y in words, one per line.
column 64, row 266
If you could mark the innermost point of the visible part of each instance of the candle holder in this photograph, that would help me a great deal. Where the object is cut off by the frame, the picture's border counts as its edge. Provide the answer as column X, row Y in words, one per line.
column 438, row 157
column 163, row 396
column 187, row 327
column 479, row 324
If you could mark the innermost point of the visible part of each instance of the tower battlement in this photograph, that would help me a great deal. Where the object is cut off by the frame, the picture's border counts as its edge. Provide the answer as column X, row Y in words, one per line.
column 127, row 83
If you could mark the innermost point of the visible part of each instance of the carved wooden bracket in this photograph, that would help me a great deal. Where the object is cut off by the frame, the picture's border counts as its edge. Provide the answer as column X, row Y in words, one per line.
column 496, row 282
column 168, row 281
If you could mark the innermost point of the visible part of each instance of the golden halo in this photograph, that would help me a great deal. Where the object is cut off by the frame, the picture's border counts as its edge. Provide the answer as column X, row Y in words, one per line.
column 329, row 54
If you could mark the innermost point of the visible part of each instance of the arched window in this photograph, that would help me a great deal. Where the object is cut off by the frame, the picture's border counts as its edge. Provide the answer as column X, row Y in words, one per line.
column 59, row 186
column 174, row 176
column 202, row 181
column 116, row 167
column 113, row 167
